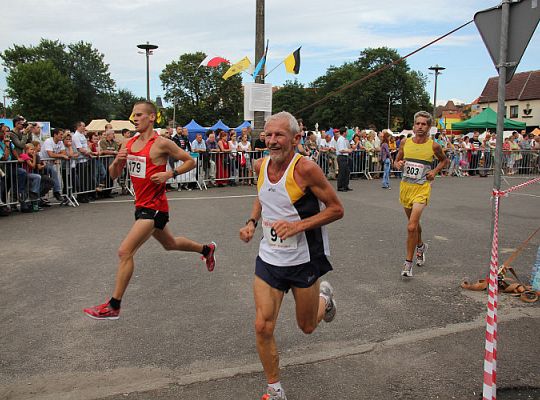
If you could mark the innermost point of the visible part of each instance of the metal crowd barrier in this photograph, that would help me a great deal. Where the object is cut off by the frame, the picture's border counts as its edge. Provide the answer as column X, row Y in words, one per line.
column 80, row 178
column 228, row 168
column 83, row 178
column 190, row 177
column 13, row 186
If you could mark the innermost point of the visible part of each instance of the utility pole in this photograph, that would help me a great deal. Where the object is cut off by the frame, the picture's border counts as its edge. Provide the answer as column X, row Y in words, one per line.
column 258, row 116
column 148, row 48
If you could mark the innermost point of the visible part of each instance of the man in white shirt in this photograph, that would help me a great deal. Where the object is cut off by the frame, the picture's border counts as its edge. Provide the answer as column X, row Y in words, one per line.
column 53, row 150
column 198, row 146
column 80, row 144
column 328, row 155
column 343, row 151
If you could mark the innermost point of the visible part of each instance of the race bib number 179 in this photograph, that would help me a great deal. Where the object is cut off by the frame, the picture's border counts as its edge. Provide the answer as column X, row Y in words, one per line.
column 137, row 166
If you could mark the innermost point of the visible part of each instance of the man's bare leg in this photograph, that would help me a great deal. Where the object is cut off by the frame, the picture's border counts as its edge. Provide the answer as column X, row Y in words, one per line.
column 414, row 230
column 141, row 230
column 169, row 242
column 267, row 304
column 310, row 307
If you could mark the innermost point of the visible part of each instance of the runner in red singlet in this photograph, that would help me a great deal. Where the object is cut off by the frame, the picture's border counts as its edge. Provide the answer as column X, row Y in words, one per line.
column 146, row 156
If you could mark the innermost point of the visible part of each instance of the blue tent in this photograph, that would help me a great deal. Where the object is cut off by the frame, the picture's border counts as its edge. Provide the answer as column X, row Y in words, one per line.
column 7, row 121
column 194, row 128
column 220, row 125
column 245, row 124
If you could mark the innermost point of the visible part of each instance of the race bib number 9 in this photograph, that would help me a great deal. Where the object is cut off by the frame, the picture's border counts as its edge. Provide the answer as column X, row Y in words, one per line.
column 137, row 166
column 413, row 170
column 274, row 241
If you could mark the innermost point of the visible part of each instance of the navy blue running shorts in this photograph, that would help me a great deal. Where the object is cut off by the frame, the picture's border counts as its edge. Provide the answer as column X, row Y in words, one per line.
column 300, row 276
column 160, row 218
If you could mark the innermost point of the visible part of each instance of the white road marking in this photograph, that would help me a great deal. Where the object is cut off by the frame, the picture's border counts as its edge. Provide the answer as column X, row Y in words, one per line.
column 181, row 198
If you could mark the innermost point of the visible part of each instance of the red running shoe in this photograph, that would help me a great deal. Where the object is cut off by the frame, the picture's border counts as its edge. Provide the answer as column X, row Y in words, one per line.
column 103, row 311
column 210, row 258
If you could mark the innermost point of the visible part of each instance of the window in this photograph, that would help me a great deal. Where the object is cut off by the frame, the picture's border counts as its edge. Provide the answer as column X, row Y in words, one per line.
column 514, row 110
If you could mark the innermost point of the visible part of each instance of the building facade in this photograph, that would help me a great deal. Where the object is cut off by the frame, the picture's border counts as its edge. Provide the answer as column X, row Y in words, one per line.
column 522, row 101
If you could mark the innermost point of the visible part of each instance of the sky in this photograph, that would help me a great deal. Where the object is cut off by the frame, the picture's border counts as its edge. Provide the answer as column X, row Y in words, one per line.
column 330, row 33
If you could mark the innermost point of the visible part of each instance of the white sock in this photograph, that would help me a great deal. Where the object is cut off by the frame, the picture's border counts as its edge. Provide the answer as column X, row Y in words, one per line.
column 277, row 387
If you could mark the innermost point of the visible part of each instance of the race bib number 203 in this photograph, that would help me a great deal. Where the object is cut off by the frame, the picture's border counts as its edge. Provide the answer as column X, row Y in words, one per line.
column 413, row 170
column 137, row 166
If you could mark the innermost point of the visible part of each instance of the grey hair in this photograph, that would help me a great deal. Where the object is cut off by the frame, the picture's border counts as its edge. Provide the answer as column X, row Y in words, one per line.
column 294, row 128
column 424, row 114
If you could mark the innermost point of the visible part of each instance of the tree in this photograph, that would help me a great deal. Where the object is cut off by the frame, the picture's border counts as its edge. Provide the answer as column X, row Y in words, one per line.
column 79, row 63
column 201, row 93
column 293, row 96
column 42, row 92
column 366, row 104
column 124, row 100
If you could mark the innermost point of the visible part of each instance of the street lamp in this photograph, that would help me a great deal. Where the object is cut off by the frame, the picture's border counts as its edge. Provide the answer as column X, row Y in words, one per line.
column 389, row 104
column 436, row 68
column 148, row 50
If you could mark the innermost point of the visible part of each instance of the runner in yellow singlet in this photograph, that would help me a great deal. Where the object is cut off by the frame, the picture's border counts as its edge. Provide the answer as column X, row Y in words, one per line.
column 414, row 158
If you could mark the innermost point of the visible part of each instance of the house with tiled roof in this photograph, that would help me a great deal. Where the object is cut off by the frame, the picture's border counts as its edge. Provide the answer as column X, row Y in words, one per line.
column 522, row 101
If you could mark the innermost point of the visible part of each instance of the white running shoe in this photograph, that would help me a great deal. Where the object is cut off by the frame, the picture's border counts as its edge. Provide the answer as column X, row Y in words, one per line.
column 327, row 291
column 271, row 394
column 421, row 255
column 407, row 270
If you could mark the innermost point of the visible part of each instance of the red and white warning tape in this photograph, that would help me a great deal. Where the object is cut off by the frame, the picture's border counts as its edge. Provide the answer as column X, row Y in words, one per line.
column 490, row 358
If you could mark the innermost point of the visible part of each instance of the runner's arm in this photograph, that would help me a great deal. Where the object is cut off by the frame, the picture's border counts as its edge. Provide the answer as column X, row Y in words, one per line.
column 439, row 153
column 247, row 231
column 398, row 164
column 119, row 162
column 188, row 163
column 170, row 149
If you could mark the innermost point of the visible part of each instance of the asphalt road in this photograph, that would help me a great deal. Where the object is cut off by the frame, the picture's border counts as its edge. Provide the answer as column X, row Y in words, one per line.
column 185, row 333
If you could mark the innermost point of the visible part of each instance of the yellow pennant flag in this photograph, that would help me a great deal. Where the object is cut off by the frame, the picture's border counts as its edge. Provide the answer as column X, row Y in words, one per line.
column 240, row 66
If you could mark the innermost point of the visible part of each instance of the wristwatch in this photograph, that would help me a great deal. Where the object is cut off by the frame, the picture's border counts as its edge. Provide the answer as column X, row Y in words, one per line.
column 175, row 173
column 255, row 223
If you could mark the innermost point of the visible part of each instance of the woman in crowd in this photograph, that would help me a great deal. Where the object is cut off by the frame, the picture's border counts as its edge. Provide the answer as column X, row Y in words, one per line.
column 245, row 160
column 466, row 149
column 97, row 168
column 69, row 176
column 386, row 159
column 357, row 155
column 311, row 146
column 515, row 155
column 222, row 160
column 233, row 146
column 29, row 163
column 373, row 159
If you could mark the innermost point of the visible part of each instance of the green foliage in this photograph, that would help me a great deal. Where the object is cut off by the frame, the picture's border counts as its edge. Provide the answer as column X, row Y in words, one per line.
column 124, row 100
column 81, row 65
column 292, row 97
column 201, row 93
column 41, row 92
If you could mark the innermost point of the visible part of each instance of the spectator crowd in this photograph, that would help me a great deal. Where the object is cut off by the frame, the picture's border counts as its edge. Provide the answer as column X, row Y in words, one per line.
column 72, row 167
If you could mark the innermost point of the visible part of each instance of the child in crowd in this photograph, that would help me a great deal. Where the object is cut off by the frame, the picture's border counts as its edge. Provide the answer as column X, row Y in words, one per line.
column 29, row 164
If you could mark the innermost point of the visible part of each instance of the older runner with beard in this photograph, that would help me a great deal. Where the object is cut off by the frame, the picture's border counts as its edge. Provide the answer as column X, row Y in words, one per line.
column 295, row 201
